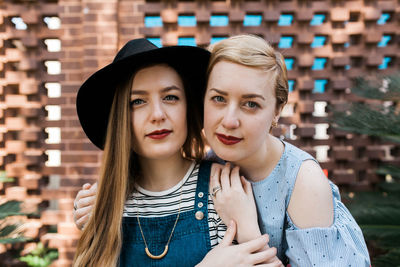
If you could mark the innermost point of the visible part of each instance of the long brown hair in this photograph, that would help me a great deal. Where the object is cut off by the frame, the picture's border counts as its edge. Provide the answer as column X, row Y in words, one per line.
column 101, row 240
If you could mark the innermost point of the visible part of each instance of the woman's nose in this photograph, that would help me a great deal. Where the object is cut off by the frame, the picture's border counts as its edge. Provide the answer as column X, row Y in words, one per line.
column 231, row 120
column 158, row 112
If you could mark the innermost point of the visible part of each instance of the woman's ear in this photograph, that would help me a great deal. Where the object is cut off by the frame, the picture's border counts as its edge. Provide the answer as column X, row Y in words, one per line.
column 278, row 112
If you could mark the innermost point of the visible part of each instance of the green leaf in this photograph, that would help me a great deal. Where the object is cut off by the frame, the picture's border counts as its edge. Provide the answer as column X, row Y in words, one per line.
column 378, row 215
column 41, row 256
column 4, row 178
column 375, row 89
column 373, row 120
column 390, row 187
column 391, row 259
column 8, row 229
column 394, row 171
column 11, row 208
column 13, row 240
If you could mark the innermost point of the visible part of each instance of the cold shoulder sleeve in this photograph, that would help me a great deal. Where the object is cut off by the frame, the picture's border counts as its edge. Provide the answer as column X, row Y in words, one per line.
column 341, row 244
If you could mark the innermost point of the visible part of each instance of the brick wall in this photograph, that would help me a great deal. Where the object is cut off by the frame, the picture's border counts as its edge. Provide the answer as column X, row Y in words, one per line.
column 42, row 144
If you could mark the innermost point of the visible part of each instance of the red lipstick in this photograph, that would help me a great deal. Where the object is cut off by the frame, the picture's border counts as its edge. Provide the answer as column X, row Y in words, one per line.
column 228, row 140
column 159, row 134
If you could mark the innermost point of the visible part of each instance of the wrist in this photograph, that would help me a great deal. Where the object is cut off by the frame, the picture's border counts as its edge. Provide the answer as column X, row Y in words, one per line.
column 247, row 231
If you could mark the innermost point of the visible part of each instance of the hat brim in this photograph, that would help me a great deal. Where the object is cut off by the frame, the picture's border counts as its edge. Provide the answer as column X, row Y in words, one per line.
column 95, row 96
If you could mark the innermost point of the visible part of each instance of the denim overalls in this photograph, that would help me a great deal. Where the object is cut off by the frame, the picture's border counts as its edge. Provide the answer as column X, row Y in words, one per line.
column 190, row 241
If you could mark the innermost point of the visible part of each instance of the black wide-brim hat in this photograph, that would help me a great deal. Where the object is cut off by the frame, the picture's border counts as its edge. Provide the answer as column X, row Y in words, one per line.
column 95, row 96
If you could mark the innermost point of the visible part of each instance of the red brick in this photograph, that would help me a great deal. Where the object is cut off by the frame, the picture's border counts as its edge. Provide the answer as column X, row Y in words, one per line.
column 15, row 146
column 15, row 101
column 68, row 229
column 169, row 16
column 92, row 158
column 72, row 20
column 15, row 124
column 340, row 14
column 16, row 193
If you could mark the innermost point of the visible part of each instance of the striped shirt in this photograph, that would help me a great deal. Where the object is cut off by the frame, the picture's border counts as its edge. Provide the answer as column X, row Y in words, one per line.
column 157, row 204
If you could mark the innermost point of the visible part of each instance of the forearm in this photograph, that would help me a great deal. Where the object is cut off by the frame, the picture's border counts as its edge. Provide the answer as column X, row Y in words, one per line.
column 251, row 231
column 247, row 231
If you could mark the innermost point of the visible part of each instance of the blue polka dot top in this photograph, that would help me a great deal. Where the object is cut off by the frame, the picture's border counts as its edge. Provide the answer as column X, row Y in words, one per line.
column 341, row 244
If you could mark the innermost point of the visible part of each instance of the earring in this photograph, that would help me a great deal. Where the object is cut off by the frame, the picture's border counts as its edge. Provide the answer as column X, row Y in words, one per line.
column 274, row 124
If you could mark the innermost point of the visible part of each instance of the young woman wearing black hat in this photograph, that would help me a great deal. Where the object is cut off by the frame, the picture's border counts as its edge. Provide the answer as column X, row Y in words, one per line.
column 152, row 205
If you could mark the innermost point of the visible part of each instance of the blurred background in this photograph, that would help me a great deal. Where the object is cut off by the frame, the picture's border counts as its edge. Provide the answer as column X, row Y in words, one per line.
column 343, row 60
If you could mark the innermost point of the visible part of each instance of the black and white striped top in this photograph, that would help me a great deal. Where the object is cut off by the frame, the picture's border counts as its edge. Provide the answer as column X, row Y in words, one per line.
column 157, row 204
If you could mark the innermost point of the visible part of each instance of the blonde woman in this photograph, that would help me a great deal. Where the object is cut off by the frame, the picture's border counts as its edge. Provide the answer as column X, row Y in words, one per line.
column 298, row 207
column 152, row 206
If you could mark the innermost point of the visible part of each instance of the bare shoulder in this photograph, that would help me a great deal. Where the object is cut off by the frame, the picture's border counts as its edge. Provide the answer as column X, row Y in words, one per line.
column 311, row 203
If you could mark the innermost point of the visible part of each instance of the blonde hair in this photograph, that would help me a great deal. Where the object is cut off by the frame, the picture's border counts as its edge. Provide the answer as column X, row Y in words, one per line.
column 101, row 240
column 253, row 51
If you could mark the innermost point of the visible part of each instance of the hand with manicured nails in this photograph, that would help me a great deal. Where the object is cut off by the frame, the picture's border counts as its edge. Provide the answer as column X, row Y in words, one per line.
column 83, row 204
column 243, row 255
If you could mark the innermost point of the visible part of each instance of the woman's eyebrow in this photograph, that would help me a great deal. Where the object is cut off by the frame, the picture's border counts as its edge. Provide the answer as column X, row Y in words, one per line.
column 219, row 91
column 170, row 88
column 144, row 92
column 246, row 96
column 253, row 96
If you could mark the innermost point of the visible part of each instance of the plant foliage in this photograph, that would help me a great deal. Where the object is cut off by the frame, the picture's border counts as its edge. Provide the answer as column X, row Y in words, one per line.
column 378, row 213
column 40, row 256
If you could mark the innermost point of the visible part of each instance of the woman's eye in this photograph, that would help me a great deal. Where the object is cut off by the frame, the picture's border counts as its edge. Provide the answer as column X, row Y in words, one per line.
column 136, row 102
column 252, row 105
column 218, row 98
column 171, row 98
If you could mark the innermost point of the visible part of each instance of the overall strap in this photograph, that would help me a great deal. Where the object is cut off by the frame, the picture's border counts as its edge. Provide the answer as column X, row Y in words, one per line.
column 204, row 177
column 201, row 198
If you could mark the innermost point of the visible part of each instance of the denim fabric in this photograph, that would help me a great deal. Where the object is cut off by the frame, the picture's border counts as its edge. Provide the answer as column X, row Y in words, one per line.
column 190, row 241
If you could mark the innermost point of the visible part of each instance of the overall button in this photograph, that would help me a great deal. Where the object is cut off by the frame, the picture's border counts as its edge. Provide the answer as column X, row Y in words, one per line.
column 199, row 215
column 200, row 204
column 201, row 194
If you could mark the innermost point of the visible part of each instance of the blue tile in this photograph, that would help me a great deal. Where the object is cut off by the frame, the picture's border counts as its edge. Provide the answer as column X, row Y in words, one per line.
column 383, row 19
column 318, row 41
column 289, row 62
column 385, row 63
column 319, row 86
column 252, row 20
column 291, row 85
column 191, row 41
column 317, row 19
column 319, row 63
column 219, row 20
column 285, row 20
column 285, row 42
column 153, row 21
column 384, row 41
column 156, row 41
column 187, row 21
column 216, row 39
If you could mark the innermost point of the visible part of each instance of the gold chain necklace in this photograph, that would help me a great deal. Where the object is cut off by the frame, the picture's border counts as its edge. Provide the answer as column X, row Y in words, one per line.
column 146, row 249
